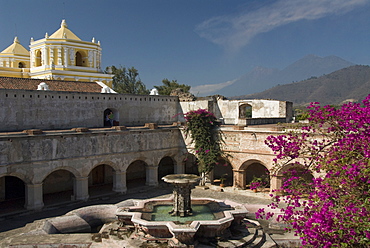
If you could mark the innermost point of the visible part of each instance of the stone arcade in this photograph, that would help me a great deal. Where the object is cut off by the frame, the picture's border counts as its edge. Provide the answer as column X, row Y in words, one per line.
column 58, row 143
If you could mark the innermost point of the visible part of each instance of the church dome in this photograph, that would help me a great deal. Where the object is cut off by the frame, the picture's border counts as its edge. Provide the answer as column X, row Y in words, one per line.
column 16, row 49
column 64, row 33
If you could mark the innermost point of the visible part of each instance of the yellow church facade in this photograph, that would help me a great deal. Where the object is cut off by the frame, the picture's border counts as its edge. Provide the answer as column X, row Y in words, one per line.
column 60, row 56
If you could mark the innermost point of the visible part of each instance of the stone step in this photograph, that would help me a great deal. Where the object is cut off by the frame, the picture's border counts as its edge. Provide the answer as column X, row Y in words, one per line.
column 243, row 239
column 260, row 238
column 269, row 243
column 250, row 235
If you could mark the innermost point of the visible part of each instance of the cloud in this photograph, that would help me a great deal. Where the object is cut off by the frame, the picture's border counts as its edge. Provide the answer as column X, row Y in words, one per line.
column 235, row 31
column 208, row 89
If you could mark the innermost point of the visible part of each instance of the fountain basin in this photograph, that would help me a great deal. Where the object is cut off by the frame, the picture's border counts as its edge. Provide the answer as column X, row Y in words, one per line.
column 226, row 213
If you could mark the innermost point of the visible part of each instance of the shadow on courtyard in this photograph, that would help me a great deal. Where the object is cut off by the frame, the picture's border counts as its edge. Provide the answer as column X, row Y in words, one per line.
column 13, row 215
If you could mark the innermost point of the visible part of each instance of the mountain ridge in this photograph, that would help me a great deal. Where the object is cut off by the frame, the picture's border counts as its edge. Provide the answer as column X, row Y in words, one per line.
column 347, row 84
column 262, row 78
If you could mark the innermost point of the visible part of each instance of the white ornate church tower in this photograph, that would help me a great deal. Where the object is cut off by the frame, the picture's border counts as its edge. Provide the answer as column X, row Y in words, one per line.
column 15, row 60
column 60, row 56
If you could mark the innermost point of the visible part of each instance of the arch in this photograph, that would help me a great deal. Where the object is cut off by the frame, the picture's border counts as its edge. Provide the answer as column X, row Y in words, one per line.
column 21, row 65
column 303, row 177
column 24, row 178
column 58, row 186
column 114, row 166
column 115, row 121
column 12, row 193
column 38, row 59
column 136, row 174
column 245, row 111
column 101, row 180
column 223, row 169
column 191, row 164
column 41, row 177
column 78, row 59
column 11, row 187
column 166, row 166
column 254, row 169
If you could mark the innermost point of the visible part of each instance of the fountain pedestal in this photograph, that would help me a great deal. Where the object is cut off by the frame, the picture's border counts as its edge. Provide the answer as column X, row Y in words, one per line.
column 181, row 191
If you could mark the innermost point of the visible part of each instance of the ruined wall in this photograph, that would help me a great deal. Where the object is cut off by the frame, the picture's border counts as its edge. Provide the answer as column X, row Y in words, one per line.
column 24, row 109
column 192, row 105
column 228, row 111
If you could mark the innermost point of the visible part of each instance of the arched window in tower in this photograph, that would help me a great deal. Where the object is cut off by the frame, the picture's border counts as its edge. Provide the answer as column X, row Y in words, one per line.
column 38, row 58
column 78, row 59
column 21, row 65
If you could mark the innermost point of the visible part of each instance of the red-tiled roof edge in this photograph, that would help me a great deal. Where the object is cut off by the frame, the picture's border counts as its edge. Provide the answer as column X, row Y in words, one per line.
column 54, row 85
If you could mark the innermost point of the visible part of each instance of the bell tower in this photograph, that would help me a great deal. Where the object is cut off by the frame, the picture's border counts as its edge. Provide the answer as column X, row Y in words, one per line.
column 64, row 56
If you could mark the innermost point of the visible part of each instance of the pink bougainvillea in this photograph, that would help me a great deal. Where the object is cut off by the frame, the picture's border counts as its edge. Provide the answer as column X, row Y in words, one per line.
column 333, row 209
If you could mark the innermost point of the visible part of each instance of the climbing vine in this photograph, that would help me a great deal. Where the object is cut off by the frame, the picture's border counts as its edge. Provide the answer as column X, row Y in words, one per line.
column 203, row 128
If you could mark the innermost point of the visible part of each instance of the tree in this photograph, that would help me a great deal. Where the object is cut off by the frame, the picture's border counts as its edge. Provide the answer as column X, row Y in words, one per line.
column 168, row 86
column 332, row 210
column 126, row 80
column 204, row 132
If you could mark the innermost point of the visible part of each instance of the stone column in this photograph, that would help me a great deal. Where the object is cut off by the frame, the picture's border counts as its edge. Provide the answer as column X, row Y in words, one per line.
column 99, row 60
column 81, row 188
column 51, row 58
column 276, row 182
column 119, row 182
column 2, row 188
column 90, row 56
column 210, row 176
column 72, row 56
column 94, row 59
column 179, row 166
column 152, row 175
column 34, row 197
column 65, row 56
column 239, row 181
column 44, row 56
column 33, row 58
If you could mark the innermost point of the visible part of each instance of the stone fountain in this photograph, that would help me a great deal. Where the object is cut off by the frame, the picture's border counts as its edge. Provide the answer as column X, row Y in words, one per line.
column 183, row 226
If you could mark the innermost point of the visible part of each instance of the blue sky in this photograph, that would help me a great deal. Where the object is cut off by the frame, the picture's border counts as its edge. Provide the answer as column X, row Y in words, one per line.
column 199, row 42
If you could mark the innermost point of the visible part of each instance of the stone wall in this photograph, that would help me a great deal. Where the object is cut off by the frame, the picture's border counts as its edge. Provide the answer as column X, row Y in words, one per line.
column 55, row 157
column 229, row 111
column 24, row 109
column 33, row 157
column 56, row 161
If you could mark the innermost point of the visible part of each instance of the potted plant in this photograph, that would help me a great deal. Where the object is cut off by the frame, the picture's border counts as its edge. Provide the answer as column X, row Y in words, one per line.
column 259, row 183
column 222, row 180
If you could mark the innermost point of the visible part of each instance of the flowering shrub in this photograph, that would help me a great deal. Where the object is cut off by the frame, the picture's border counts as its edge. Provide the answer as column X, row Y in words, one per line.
column 332, row 210
column 203, row 128
column 260, row 183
